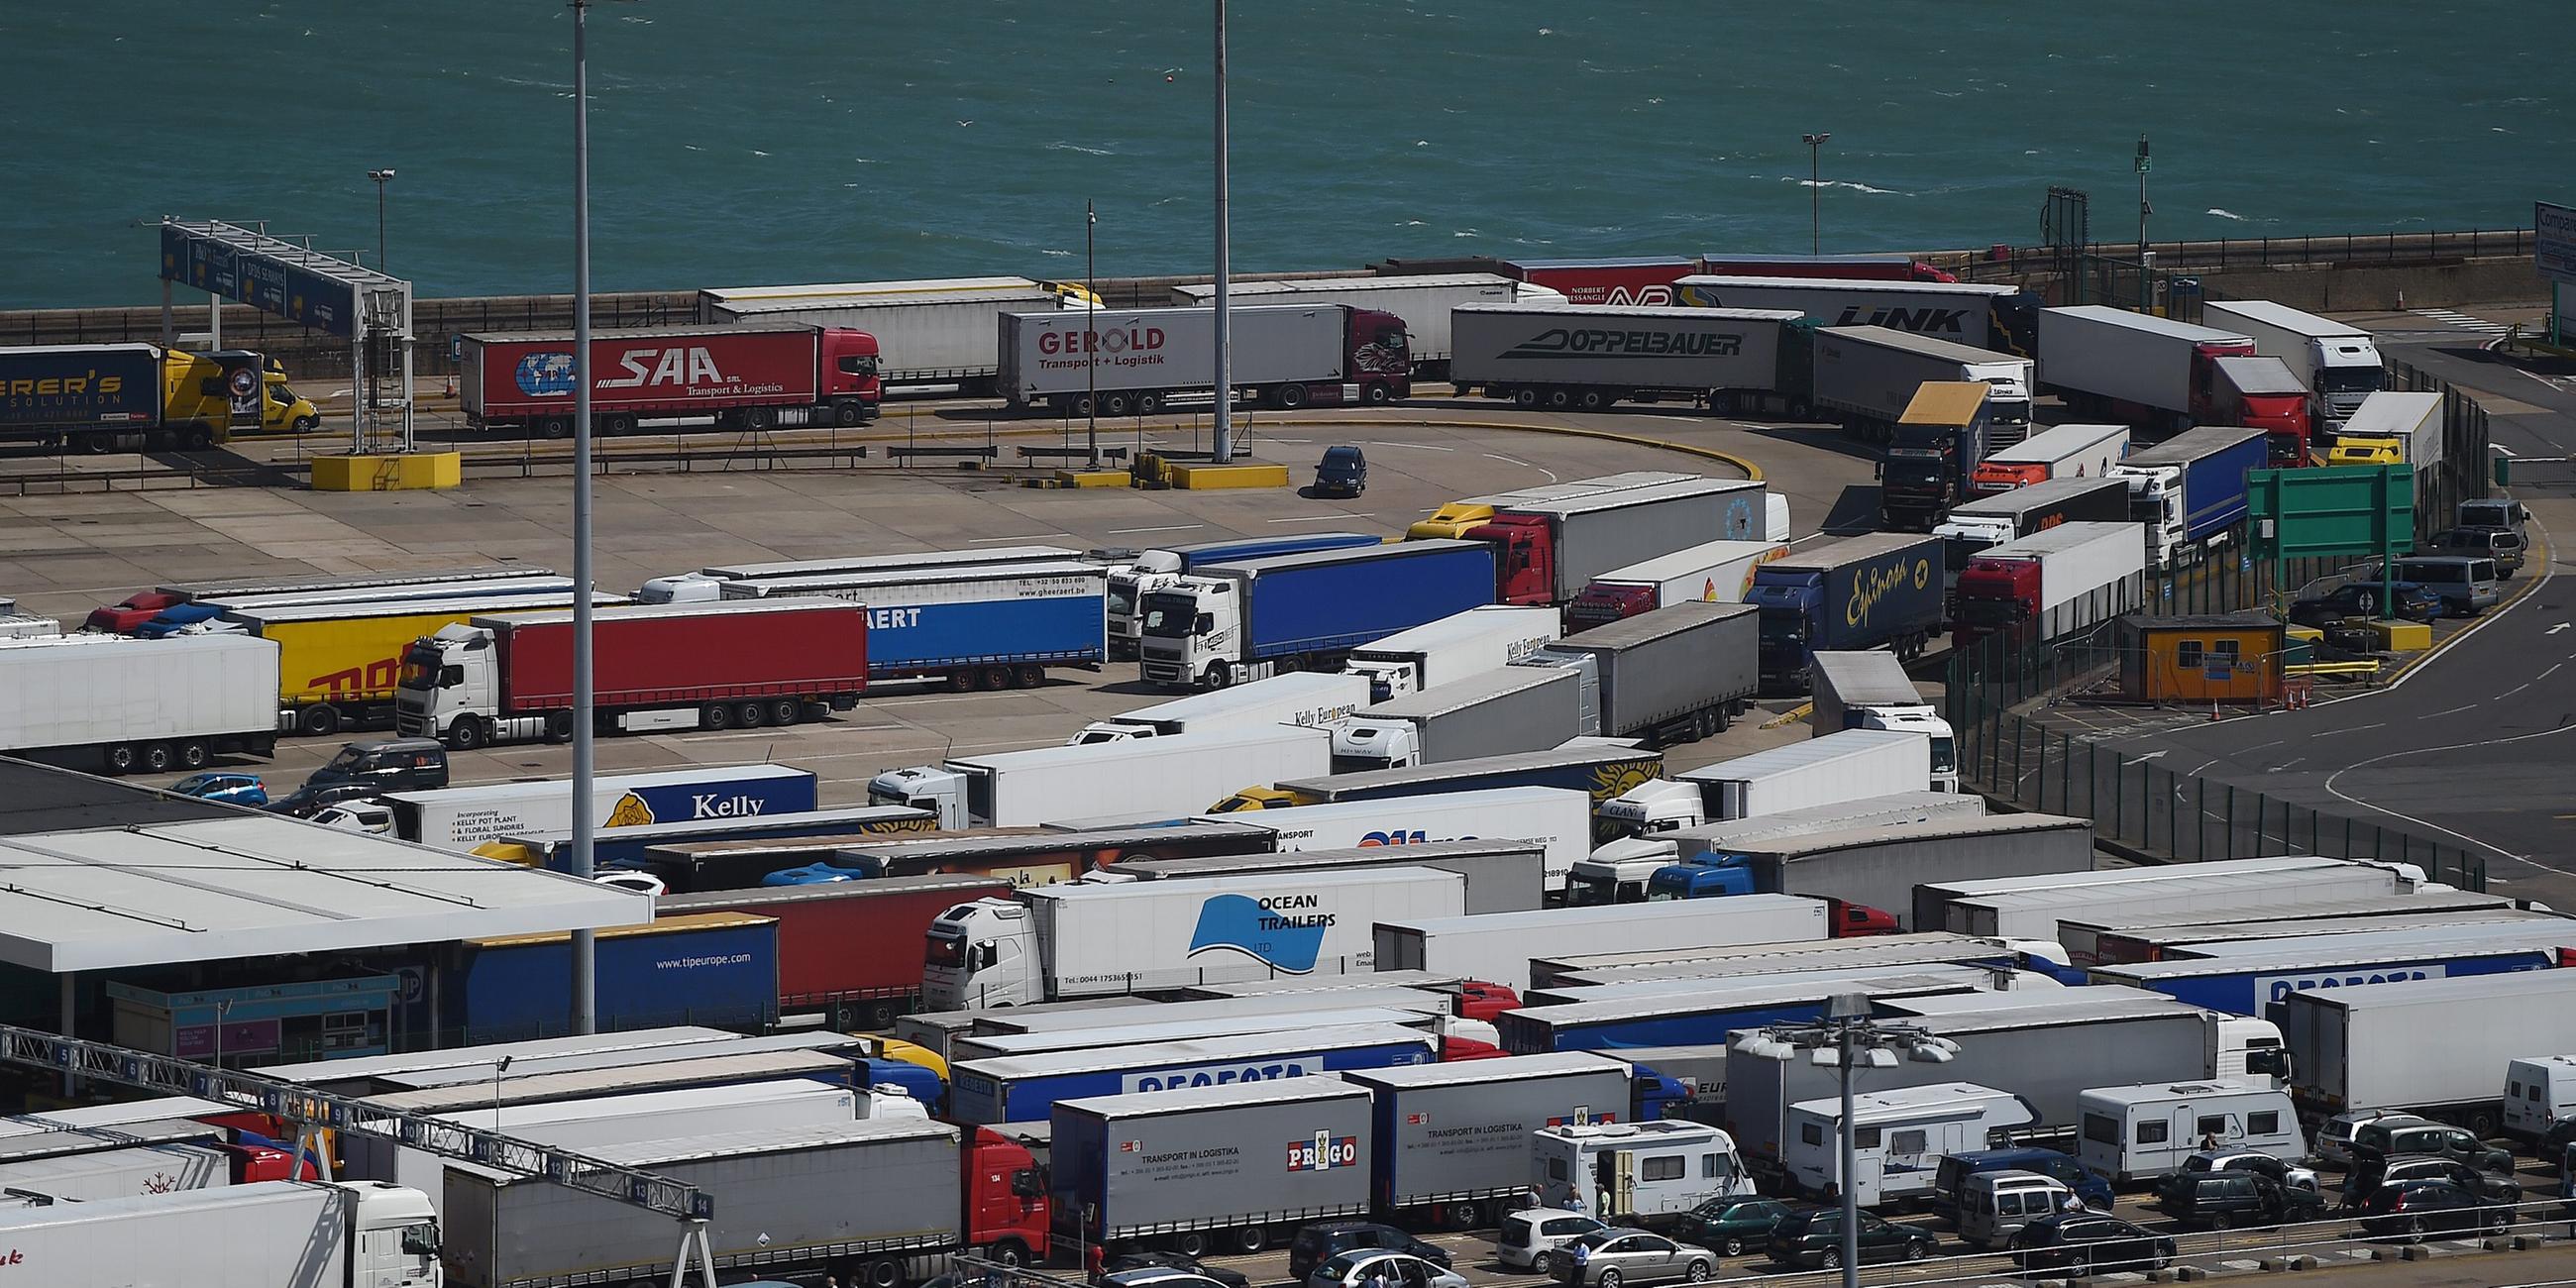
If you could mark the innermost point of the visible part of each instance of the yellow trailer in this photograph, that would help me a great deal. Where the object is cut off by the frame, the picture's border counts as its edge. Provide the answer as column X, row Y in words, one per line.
column 338, row 664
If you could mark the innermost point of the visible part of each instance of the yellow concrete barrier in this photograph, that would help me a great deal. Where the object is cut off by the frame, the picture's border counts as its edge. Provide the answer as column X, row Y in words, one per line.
column 1092, row 478
column 2402, row 637
column 1204, row 477
column 388, row 472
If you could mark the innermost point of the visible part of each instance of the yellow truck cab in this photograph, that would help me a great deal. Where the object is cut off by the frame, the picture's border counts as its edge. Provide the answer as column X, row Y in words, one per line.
column 2367, row 451
column 281, row 409
column 1450, row 521
column 1252, row 798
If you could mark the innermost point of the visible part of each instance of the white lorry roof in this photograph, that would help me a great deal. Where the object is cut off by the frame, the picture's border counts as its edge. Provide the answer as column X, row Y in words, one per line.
column 1267, row 1091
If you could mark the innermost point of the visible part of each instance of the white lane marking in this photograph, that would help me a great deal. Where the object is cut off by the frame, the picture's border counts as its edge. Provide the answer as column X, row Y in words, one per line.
column 2463, row 321
column 1419, row 447
column 1034, row 536
column 2338, row 794
column 1171, row 527
column 1321, row 518
column 2452, row 711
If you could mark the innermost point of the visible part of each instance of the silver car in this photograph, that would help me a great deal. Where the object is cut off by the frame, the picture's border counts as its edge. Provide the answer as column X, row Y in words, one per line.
column 1377, row 1268
column 2334, row 1140
column 1611, row 1258
column 1529, row 1239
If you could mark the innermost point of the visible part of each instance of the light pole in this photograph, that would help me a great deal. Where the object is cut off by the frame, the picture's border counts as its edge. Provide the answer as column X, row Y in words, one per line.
column 381, row 178
column 1090, row 343
column 2142, row 165
column 1224, row 436
column 584, row 943
column 1847, row 1038
column 499, row 1067
column 1815, row 192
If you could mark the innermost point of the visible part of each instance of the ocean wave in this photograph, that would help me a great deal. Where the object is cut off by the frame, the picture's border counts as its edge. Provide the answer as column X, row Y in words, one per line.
column 2225, row 214
column 1844, row 183
column 1061, row 146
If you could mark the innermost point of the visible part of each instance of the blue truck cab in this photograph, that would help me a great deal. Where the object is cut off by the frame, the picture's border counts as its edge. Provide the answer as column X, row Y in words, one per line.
column 1718, row 875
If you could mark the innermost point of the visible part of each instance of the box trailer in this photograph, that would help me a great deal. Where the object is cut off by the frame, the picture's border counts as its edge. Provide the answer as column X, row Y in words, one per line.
column 2431, row 1046
column 1869, row 689
column 1423, row 301
column 630, row 847
column 1878, row 867
column 930, row 332
column 1558, row 819
column 460, row 818
column 991, row 627
column 1202, row 1167
column 1599, row 767
column 1169, row 776
column 1023, row 856
column 2262, row 976
column 1845, row 765
column 1880, row 590
column 1152, row 1028
column 1147, row 571
column 2053, row 585
column 1308, row 698
column 1619, row 280
column 718, row 969
column 1027, row 1088
column 2058, row 452
column 1975, row 314
column 2038, row 914
column 2337, row 362
column 2120, row 937
column 1499, row 712
column 1502, row 875
column 1989, row 521
column 2153, row 373
column 704, row 584
column 1619, row 868
column 1705, row 1012
column 1549, row 550
column 1590, row 356
column 1500, row 946
column 1675, row 675
column 1731, row 962
column 1449, row 1143
column 339, row 664
column 1934, row 897
column 1453, row 648
column 1241, row 621
column 1454, row 518
column 1718, row 572
column 850, row 950
column 752, row 377
column 1866, row 376
column 281, row 1232
column 121, row 705
column 2407, row 424
column 1287, row 356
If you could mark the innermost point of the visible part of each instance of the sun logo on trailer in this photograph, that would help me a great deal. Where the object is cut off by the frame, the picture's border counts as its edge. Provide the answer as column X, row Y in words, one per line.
column 631, row 811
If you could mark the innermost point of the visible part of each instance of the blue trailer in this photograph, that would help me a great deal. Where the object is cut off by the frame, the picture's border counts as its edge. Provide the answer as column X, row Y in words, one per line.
column 1156, row 569
column 1877, row 590
column 2190, row 489
column 1704, row 1015
column 1025, row 1088
column 716, row 969
column 997, row 625
column 1242, row 621
column 2250, row 982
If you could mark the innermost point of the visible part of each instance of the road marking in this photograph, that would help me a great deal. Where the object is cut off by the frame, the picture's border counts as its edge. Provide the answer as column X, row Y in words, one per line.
column 2324, row 733
column 2463, row 321
column 2195, row 773
column 2559, row 627
column 2510, row 692
column 1419, row 447
column 2140, row 760
column 2337, row 793
column 1171, row 527
column 1321, row 518
column 2431, row 715
column 1034, row 536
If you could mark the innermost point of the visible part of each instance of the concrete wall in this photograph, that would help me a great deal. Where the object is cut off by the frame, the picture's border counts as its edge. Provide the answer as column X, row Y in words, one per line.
column 2327, row 288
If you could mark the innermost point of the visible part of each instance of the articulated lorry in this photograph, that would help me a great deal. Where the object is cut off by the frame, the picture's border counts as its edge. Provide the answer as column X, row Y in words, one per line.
column 1451, row 649
column 707, row 584
column 630, row 847
column 2036, row 910
column 1878, row 590
column 1832, row 767
column 1869, row 689
column 1242, row 621
column 1505, row 710
column 2435, row 1047
column 1285, row 356
column 931, row 332
column 1547, row 551
column 2393, row 428
column 2336, row 362
column 1619, row 868
column 1306, row 698
column 461, row 818
column 1502, row 875
column 1084, row 940
column 754, row 377
column 848, row 951
column 2154, row 374
column 351, row 1235
column 1422, row 301
column 1142, row 1169
column 1599, row 767
column 1990, row 521
column 1500, row 946
column 147, row 606
column 1938, row 442
column 2053, row 585
column 1152, row 570
column 1976, row 315
column 1172, row 775
column 508, row 677
column 2190, row 491
column 1614, row 1018
column 121, row 706
column 1026, row 1089
column 1455, row 518
column 340, row 665
column 1718, row 572
column 2058, row 452
column 985, row 627
column 1877, row 867
column 97, row 397
column 1558, row 818
column 1585, row 357
column 2120, row 937
column 1866, row 376
column 2254, row 978
column 1675, row 675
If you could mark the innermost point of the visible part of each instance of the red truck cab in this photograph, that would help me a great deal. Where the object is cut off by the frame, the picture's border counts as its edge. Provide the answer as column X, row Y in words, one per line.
column 1993, row 477
column 1601, row 605
column 1859, row 920
column 1994, row 595
column 1524, row 557
column 1476, row 999
column 849, row 367
column 2214, row 401
column 129, row 615
column 1005, row 1198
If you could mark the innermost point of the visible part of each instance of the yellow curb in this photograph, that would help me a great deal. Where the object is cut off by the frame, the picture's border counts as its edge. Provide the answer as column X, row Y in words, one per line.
column 1790, row 716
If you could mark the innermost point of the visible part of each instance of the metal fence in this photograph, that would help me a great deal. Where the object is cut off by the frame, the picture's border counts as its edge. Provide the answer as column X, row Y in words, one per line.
column 2256, row 252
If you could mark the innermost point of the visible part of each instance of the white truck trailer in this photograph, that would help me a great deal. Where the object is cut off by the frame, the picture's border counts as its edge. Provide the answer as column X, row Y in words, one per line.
column 1557, row 818
column 1171, row 775
column 1869, row 689
column 2337, row 362
column 105, row 702
column 1499, row 946
column 2053, row 584
column 2436, row 1047
column 1717, row 571
column 1305, row 698
column 1453, row 648
column 2406, row 424
column 1422, row 300
column 2057, row 452
column 276, row 1233
column 1617, row 872
column 1849, row 764
column 1506, row 710
column 930, row 332
column 2036, row 914
column 1868, row 375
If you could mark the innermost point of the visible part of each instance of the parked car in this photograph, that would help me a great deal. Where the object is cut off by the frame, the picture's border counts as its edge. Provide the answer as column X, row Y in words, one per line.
column 2555, row 1143
column 1530, row 1238
column 2089, row 1243
column 1342, row 472
column 1728, row 1226
column 1814, row 1240
column 2413, row 603
column 2333, row 1141
column 2286, row 1174
column 229, row 787
column 370, row 816
column 1609, row 1258
column 2499, row 544
column 2221, row 1199
column 1157, row 1277
column 1324, row 1240
column 2411, row 1210
column 1368, row 1268
column 1158, row 1260
column 2391, row 1139
column 2370, row 1175
column 313, row 798
column 1951, row 1177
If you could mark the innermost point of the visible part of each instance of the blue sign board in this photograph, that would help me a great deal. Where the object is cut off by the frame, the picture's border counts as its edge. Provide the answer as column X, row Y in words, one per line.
column 266, row 282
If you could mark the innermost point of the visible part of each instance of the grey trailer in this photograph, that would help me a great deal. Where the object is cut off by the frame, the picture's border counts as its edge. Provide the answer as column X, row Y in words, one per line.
column 1450, row 1142
column 1207, row 1165
column 1879, row 867
column 1678, row 674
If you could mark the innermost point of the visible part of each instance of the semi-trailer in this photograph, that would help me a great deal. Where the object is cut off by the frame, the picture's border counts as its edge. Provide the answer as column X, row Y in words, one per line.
column 2053, row 585
column 1699, row 1013
column 851, row 950
column 2118, row 938
column 988, row 627
column 2392, row 427
column 1152, row 1028
column 1423, row 301
column 1989, row 521
column 2435, row 1047
column 1357, row 991
column 1977, row 315
column 1023, row 1089
column 349, row 1235
column 1718, row 572
column 1586, row 357
column 2058, row 452
column 1167, row 776
column 1645, row 280
column 2336, row 362
column 1241, row 621
column 1508, row 709
column 1618, row 870
column 508, row 677
column 221, row 613
column 2190, row 490
column 1083, row 940
column 340, row 665
column 1557, row 818
column 719, row 969
column 878, row 1202
column 1867, row 375
column 1452, row 648
column 1675, row 675
column 1938, row 441
column 1934, row 896
column 1199, row 1168
column 144, row 606
column 754, row 377
column 1724, row 962
column 460, row 818
column 1133, row 361
column 1878, row 590
column 708, row 583
column 1309, row 698
column 1502, row 875
column 1455, row 518
column 1602, row 767
column 2155, row 374
column 2038, row 913
column 2253, row 982
column 1869, row 689
column 97, row 397
column 1863, row 267
column 1845, row 765
column 1500, row 946
column 1877, row 867
column 930, row 332
column 628, row 847
column 1546, row 551
column 118, row 705
column 1152, row 570
column 1449, row 1143
column 1025, row 856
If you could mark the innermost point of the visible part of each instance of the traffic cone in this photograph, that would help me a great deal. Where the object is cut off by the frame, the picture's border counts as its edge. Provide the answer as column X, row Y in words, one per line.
column 451, row 384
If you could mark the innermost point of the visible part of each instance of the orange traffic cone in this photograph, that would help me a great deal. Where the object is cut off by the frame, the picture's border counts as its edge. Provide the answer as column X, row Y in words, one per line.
column 451, row 385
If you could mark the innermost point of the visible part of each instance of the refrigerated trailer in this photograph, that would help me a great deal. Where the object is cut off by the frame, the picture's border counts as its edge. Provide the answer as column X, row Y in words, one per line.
column 1502, row 875
column 1206, row 1166
column 1992, row 520
column 2153, row 373
column 1423, row 301
column 121, row 705
column 1450, row 1142
column 1841, row 765
column 1026, row 1088
column 1508, row 709
column 2436, row 1047
column 2058, row 452
column 1587, row 357
column 1546, row 551
column 2053, row 585
column 1285, row 356
column 708, row 583
column 1675, row 675
column 1974, row 314
column 354, row 1235
column 1866, row 375
column 1307, row 698
column 931, row 332
column 1168, row 776
column 1599, row 767
column 2337, row 362
column 1452, row 648
column 1558, row 819
column 1718, row 572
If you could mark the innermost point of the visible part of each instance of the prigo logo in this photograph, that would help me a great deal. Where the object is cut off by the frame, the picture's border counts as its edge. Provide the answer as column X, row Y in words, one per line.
column 1871, row 586
column 1323, row 1153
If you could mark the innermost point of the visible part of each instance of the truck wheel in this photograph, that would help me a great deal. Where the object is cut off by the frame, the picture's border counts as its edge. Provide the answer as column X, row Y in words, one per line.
column 1148, row 403
column 715, row 715
column 1008, row 1254
column 1559, row 399
column 882, row 1015
column 321, row 720
column 993, row 678
column 1290, row 396
column 760, row 417
column 1219, row 675
column 1465, row 1216
column 197, row 438
column 559, row 726
column 1525, row 398
column 307, row 424
column 192, row 754
column 617, row 426
column 786, row 711
column 1251, row 1238
column 962, row 681
column 882, row 1274
column 1591, row 400
column 1191, row 1243
column 849, row 413
column 467, row 734
column 1377, row 395
column 156, row 757
column 1028, row 677
column 555, row 427
column 750, row 715
column 120, row 759
column 1116, row 404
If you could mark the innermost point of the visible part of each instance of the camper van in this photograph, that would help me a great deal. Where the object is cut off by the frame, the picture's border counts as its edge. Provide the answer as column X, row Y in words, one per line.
column 1627, row 1173
column 2144, row 1131
column 1899, row 1137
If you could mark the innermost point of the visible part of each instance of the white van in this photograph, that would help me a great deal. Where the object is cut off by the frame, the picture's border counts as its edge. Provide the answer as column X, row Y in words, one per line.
column 1899, row 1137
column 1624, row 1171
column 2147, row 1130
column 2539, row 1091
column 1993, row 1206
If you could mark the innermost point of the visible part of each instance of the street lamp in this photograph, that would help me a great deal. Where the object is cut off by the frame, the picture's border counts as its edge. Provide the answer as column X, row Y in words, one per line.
column 499, row 1067
column 1844, row 1040
column 1815, row 191
column 584, row 943
column 381, row 177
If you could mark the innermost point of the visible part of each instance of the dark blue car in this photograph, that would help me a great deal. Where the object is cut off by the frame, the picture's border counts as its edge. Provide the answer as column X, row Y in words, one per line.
column 2089, row 1185
column 1342, row 472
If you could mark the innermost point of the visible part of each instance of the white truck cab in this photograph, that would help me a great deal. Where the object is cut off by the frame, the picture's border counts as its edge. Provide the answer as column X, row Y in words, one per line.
column 1618, row 870
column 2156, row 500
column 1925, row 719
column 1192, row 636
column 685, row 588
column 941, row 791
column 1662, row 805
column 980, row 955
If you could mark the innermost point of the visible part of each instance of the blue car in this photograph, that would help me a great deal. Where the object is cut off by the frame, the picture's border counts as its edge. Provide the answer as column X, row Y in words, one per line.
column 230, row 788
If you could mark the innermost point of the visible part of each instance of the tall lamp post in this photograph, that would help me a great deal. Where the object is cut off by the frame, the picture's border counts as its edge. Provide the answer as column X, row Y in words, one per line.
column 1815, row 191
column 584, row 943
column 1223, row 438
column 1090, row 342
column 1844, row 1040
column 381, row 178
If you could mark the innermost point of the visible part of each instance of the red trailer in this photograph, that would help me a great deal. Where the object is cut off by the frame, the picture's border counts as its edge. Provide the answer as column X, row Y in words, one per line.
column 853, row 949
column 743, row 377
column 1872, row 268
column 1636, row 283
column 734, row 662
